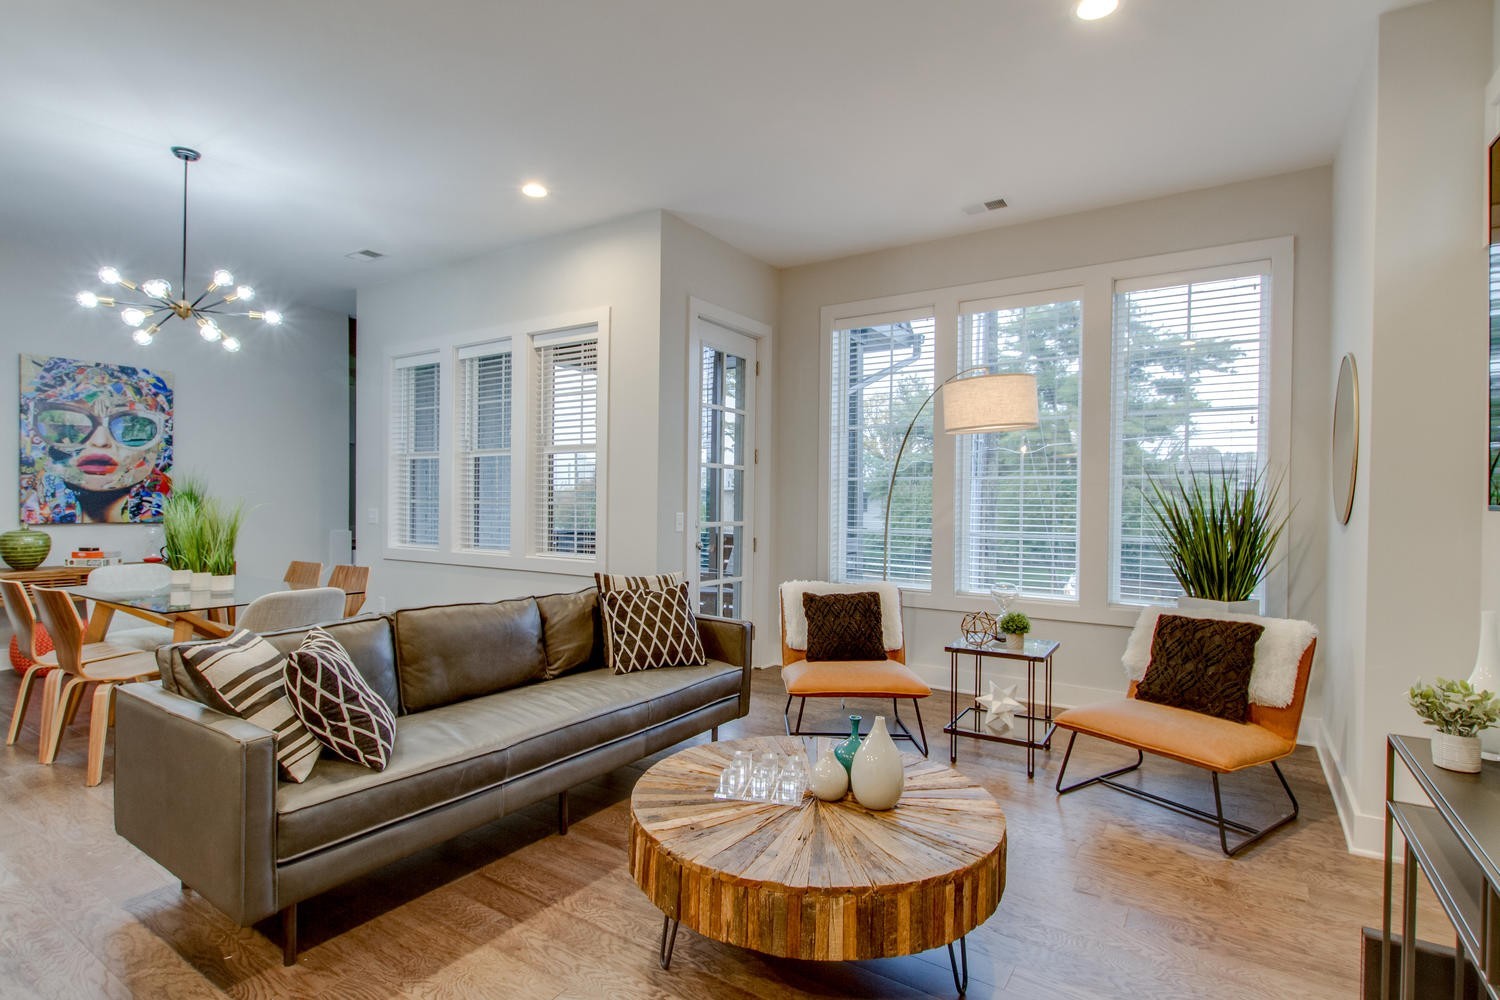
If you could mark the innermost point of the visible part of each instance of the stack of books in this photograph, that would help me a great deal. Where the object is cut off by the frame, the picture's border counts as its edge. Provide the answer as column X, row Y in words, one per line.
column 91, row 557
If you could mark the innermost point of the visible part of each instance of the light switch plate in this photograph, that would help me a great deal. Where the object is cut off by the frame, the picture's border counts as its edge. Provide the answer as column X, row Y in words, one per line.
column 373, row 515
column 680, row 519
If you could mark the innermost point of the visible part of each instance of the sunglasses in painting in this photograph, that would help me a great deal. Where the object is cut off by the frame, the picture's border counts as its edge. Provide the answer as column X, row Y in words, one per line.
column 69, row 428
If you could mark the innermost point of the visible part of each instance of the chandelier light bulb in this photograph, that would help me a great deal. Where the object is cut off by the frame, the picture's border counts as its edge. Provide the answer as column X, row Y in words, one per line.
column 109, row 275
column 231, row 344
column 132, row 316
column 209, row 330
column 244, row 293
column 157, row 288
column 87, row 299
column 144, row 337
column 272, row 317
column 223, row 278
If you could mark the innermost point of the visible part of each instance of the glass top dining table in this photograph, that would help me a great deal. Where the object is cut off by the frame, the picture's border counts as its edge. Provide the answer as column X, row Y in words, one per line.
column 186, row 612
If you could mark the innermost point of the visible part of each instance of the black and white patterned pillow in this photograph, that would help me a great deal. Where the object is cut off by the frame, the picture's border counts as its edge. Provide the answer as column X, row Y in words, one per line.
column 243, row 675
column 338, row 705
column 624, row 581
column 649, row 628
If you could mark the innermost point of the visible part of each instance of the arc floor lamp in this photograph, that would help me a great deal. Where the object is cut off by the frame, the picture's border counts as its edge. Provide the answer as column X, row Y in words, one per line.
column 984, row 404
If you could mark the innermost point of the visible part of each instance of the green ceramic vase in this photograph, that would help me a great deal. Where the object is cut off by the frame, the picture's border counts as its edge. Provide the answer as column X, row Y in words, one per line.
column 24, row 548
column 846, row 750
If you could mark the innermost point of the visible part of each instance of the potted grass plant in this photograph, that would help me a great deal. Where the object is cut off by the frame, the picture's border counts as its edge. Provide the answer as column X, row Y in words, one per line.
column 221, row 535
column 1459, row 713
column 183, row 530
column 1218, row 534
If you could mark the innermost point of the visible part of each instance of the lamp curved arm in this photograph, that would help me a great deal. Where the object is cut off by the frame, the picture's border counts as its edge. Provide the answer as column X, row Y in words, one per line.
column 885, row 562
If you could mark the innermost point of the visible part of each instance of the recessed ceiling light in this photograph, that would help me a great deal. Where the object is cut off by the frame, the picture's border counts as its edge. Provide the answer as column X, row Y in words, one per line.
column 532, row 189
column 1093, row 10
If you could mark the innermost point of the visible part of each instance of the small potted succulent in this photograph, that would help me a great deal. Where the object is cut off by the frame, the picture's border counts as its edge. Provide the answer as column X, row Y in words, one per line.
column 1014, row 627
column 1460, row 714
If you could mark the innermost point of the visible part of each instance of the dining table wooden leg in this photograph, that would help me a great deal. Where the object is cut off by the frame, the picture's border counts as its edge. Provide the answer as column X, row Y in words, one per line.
column 182, row 630
column 98, row 626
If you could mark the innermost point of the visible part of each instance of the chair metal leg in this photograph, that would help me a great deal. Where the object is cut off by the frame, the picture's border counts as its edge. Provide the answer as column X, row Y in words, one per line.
column 917, row 707
column 902, row 733
column 905, row 732
column 289, row 935
column 786, row 715
column 801, row 707
column 1215, row 818
column 960, row 983
column 668, row 941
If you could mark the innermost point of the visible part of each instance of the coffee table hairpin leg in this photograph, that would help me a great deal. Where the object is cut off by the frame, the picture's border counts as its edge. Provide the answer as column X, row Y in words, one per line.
column 664, row 952
column 962, row 985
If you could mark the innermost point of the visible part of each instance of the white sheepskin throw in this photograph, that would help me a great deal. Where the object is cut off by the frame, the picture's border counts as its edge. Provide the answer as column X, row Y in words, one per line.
column 796, row 621
column 1273, row 678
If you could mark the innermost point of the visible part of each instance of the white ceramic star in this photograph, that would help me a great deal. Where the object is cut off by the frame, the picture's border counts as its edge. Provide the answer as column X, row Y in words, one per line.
column 1000, row 707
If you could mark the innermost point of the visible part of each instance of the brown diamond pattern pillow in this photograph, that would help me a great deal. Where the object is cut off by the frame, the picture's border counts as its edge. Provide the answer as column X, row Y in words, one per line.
column 644, row 629
column 844, row 626
column 1201, row 664
column 336, row 704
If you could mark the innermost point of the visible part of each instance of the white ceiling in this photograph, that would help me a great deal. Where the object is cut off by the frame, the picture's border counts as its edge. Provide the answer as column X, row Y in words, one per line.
column 797, row 130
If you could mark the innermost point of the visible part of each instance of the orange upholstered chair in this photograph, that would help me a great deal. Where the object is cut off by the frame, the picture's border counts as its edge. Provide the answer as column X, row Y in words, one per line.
column 881, row 679
column 1214, row 744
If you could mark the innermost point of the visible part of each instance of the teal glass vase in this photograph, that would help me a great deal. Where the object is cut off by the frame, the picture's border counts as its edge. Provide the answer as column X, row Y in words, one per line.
column 846, row 750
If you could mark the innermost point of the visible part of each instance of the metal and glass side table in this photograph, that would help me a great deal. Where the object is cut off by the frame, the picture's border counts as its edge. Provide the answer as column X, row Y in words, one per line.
column 1038, row 652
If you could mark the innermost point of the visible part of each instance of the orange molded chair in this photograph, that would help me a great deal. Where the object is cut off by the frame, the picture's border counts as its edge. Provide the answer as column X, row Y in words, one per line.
column 352, row 580
column 888, row 678
column 303, row 574
column 1213, row 744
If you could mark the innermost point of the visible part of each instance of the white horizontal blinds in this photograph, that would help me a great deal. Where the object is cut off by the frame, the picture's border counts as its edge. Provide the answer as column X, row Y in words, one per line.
column 882, row 373
column 1190, row 396
column 565, row 486
column 414, row 454
column 1018, row 491
column 483, row 465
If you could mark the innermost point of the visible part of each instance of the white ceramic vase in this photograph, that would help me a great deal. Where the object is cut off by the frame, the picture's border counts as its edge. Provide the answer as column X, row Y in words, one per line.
column 182, row 579
column 830, row 782
column 878, row 777
column 1456, row 753
column 202, row 581
column 222, row 584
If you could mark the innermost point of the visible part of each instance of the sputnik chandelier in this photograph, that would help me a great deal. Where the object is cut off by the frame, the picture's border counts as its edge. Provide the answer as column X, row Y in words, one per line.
column 216, row 301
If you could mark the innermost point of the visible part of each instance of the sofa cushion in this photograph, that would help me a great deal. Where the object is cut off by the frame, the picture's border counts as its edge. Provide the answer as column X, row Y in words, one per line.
column 843, row 626
column 570, row 631
column 447, row 753
column 1191, row 737
column 644, row 629
column 458, row 651
column 1201, row 664
column 369, row 643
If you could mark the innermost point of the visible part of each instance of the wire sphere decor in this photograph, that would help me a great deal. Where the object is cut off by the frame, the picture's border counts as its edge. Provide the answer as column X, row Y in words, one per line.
column 979, row 627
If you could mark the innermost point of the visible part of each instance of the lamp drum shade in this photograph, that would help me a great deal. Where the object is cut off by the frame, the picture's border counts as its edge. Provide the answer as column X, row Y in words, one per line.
column 990, row 403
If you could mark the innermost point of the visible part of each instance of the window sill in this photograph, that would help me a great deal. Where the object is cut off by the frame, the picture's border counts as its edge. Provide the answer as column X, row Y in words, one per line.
column 483, row 560
column 1118, row 615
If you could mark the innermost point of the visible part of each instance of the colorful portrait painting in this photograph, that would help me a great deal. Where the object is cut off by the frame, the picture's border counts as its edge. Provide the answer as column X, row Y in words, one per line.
column 96, row 442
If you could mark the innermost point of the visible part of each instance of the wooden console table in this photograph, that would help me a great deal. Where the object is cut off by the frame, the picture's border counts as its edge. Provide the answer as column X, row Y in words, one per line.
column 49, row 576
column 1456, row 842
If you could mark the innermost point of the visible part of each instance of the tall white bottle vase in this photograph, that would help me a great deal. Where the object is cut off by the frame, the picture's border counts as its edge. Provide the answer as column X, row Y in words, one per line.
column 878, row 777
column 1486, row 673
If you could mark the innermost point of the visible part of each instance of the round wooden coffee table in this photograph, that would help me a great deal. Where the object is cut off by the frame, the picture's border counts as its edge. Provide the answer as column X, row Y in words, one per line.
column 830, row 881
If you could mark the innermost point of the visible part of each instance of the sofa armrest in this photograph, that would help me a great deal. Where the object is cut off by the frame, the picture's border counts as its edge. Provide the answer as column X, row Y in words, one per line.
column 728, row 639
column 195, row 790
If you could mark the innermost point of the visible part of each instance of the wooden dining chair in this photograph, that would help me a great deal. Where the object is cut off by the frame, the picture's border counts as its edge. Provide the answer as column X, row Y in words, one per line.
column 303, row 574
column 352, row 580
column 79, row 665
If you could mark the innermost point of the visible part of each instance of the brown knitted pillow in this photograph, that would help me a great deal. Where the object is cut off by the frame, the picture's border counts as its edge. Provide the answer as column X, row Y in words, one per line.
column 844, row 626
column 1201, row 664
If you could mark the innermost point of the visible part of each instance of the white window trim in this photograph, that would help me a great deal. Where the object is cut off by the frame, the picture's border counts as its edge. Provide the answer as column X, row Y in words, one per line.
column 523, row 336
column 395, row 364
column 1097, row 283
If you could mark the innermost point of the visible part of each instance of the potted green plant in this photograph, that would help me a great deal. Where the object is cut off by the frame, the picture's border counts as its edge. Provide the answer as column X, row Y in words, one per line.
column 1460, row 714
column 1014, row 627
column 1218, row 534
column 221, row 534
column 181, row 524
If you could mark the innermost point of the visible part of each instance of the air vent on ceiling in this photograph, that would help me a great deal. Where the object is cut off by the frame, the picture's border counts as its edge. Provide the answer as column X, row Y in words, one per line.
column 994, row 203
column 979, row 208
column 365, row 255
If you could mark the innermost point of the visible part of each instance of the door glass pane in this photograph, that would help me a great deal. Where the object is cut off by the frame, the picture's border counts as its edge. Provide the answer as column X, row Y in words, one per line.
column 734, row 382
column 708, row 601
column 731, row 551
column 732, row 494
column 709, row 503
column 708, row 554
column 731, row 600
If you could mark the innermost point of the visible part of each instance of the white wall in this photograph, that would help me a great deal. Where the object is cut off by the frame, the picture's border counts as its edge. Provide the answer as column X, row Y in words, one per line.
column 697, row 265
column 615, row 265
column 268, row 425
column 1298, row 204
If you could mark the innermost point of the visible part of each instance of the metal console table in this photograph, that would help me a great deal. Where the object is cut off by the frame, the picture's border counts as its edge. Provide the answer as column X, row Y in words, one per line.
column 1456, row 841
column 1038, row 652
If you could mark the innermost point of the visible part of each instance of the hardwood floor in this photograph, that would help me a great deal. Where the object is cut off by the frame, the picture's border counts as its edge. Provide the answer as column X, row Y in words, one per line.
column 1106, row 896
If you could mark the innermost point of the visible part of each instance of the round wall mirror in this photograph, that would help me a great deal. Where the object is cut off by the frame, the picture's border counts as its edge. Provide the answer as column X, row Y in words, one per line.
column 1344, row 461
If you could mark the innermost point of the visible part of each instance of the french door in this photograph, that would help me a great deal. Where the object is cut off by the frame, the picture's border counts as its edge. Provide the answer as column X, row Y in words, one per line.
column 724, row 459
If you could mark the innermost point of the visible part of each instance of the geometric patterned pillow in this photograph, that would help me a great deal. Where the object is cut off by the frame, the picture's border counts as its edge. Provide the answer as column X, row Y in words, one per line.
column 844, row 626
column 1201, row 664
column 243, row 675
column 336, row 704
column 623, row 581
column 649, row 628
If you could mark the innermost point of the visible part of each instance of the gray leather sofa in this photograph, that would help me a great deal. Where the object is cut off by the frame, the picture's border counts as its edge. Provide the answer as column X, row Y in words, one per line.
column 480, row 732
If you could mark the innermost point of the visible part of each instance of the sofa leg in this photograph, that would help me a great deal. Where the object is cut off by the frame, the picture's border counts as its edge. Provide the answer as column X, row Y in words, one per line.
column 562, row 813
column 289, row 935
column 713, row 735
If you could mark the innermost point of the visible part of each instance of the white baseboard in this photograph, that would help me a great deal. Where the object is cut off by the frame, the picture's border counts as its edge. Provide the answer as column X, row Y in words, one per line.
column 1364, row 833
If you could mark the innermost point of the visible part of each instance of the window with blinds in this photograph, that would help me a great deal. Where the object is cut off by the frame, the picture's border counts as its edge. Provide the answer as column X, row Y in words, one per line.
column 482, row 466
column 1191, row 395
column 566, row 417
column 414, row 454
column 882, row 373
column 1017, row 496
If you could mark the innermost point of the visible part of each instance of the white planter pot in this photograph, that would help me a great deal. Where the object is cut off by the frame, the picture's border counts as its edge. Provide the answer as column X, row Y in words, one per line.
column 1220, row 607
column 222, row 584
column 182, row 579
column 830, row 782
column 1015, row 640
column 1456, row 753
column 878, row 777
column 202, row 581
